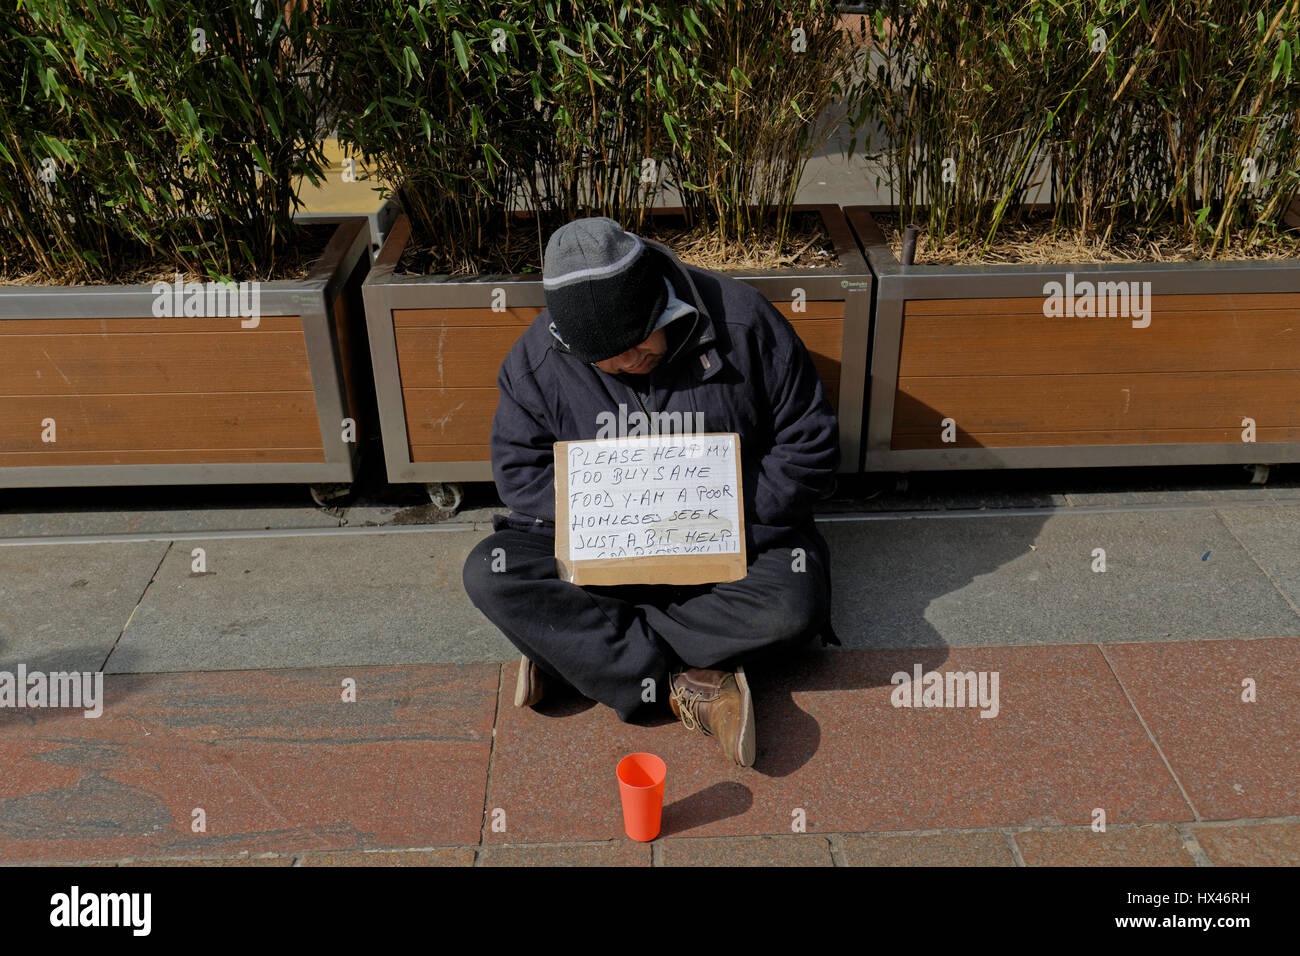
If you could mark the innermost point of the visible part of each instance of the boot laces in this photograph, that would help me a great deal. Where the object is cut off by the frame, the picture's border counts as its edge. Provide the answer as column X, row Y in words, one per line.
column 688, row 702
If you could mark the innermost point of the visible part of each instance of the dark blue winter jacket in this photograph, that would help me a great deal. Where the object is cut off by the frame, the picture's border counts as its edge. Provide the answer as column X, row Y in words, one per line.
column 737, row 360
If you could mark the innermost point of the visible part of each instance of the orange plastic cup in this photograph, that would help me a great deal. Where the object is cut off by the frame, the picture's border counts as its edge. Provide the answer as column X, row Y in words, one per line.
column 641, row 786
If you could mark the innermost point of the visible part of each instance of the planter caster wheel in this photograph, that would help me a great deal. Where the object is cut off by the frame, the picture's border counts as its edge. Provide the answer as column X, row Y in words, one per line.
column 446, row 496
column 330, row 495
column 1259, row 474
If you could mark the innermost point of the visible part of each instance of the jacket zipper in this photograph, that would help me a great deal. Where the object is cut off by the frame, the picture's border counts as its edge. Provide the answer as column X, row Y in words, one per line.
column 637, row 396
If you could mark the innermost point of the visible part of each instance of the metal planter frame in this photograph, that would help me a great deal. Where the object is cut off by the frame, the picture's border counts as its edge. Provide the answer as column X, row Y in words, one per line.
column 312, row 298
column 896, row 284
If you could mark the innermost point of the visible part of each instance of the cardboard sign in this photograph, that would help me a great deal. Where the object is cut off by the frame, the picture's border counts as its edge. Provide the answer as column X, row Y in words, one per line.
column 661, row 509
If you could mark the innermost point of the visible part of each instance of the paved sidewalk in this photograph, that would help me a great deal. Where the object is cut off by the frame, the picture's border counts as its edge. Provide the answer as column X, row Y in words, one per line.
column 211, row 601
column 432, row 765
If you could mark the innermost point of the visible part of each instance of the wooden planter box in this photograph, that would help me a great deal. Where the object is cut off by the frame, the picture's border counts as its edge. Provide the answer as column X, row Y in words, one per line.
column 437, row 347
column 967, row 353
column 138, row 399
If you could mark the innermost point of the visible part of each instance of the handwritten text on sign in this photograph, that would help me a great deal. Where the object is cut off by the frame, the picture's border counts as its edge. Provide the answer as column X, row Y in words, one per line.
column 659, row 495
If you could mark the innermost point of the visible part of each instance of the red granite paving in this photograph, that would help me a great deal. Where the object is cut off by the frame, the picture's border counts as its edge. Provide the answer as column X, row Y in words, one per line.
column 624, row 853
column 1132, row 846
column 282, row 765
column 1235, row 759
column 983, row 848
column 748, row 851
column 276, row 759
column 1065, row 741
column 459, row 856
column 1269, row 844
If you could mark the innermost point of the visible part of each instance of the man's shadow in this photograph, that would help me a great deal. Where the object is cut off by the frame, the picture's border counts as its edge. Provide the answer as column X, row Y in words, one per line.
column 888, row 570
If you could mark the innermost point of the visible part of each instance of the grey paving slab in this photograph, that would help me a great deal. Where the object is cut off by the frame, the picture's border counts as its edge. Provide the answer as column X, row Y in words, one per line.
column 311, row 601
column 1254, row 495
column 1272, row 536
column 63, row 606
column 50, row 524
column 935, row 581
column 1161, row 496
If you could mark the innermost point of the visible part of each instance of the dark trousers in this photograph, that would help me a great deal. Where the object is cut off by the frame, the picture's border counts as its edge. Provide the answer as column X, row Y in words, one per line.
column 607, row 641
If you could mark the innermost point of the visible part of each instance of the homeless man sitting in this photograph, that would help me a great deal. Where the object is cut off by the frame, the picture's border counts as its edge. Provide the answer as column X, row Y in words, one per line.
column 628, row 324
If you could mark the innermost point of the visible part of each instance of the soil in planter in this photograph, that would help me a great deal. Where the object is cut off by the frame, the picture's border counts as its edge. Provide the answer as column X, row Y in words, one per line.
column 807, row 247
column 291, row 265
column 1032, row 242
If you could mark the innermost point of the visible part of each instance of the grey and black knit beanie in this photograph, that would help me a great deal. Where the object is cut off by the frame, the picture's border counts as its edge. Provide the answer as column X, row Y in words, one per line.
column 604, row 288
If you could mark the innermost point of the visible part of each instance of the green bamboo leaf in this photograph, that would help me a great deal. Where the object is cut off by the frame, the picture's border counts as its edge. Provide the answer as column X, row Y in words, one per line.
column 261, row 159
column 692, row 17
column 560, row 45
column 461, row 55
column 670, row 126
column 417, row 23
column 269, row 115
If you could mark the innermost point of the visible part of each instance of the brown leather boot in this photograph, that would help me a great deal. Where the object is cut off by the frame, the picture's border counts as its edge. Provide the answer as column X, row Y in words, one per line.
column 717, row 704
column 530, row 687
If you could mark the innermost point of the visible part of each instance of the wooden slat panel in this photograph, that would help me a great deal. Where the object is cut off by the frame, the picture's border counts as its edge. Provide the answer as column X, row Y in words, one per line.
column 1034, row 345
column 267, row 323
column 821, row 309
column 1121, row 402
column 463, row 416
column 437, row 318
column 454, row 416
column 471, row 357
column 449, row 375
column 123, row 422
column 171, row 456
column 453, row 357
column 1137, row 436
column 140, row 363
column 824, row 338
column 451, row 452
column 1160, row 304
column 824, row 341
